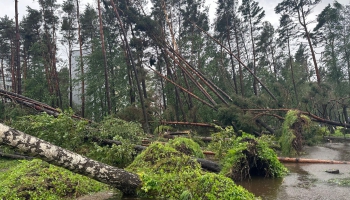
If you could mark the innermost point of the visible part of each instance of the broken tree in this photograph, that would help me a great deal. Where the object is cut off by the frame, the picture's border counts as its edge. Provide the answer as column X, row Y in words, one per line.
column 118, row 178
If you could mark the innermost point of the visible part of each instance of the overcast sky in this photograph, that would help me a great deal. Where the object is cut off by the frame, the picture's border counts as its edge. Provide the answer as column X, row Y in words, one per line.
column 7, row 7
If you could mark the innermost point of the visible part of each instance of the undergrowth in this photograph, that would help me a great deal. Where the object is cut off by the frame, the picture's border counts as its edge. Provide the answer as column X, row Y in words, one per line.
column 37, row 179
column 169, row 174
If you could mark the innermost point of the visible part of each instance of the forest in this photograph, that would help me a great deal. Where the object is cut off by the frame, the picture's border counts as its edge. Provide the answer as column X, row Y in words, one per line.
column 160, row 65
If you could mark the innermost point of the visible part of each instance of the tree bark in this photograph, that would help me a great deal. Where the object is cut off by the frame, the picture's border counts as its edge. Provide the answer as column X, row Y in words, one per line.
column 18, row 60
column 108, row 98
column 81, row 65
column 118, row 178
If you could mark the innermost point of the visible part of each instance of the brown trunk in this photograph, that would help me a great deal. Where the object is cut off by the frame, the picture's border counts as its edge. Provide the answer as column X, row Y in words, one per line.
column 18, row 57
column 291, row 70
column 3, row 73
column 302, row 21
column 108, row 98
column 232, row 64
column 81, row 65
column 118, row 178
column 305, row 160
column 70, row 74
column 239, row 57
column 13, row 74
column 255, row 83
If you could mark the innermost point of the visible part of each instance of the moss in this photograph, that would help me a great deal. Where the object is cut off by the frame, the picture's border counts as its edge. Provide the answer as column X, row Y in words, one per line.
column 168, row 173
column 37, row 179
column 187, row 146
column 213, row 186
column 251, row 157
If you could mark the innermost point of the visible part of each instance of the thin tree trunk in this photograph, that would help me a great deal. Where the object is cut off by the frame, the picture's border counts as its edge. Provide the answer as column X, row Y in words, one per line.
column 292, row 70
column 118, row 178
column 232, row 64
column 255, row 83
column 3, row 73
column 108, row 98
column 81, row 65
column 70, row 74
column 18, row 57
column 239, row 57
column 13, row 75
column 303, row 23
column 147, row 130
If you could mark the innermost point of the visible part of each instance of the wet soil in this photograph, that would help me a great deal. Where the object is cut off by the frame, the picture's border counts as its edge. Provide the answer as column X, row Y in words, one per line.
column 307, row 181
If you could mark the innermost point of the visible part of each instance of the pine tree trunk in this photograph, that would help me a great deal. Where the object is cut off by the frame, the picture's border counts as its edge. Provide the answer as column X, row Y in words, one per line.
column 118, row 178
column 18, row 60
column 81, row 65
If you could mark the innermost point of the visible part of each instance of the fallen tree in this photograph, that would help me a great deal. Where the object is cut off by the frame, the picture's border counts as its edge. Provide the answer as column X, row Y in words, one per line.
column 307, row 160
column 118, row 178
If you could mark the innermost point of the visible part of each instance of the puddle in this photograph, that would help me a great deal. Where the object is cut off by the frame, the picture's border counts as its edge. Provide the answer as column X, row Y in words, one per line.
column 308, row 181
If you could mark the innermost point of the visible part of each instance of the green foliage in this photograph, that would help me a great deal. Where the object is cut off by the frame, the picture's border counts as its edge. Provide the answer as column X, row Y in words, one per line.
column 167, row 173
column 10, row 112
column 128, row 133
column 294, row 128
column 63, row 130
column 288, row 134
column 250, row 156
column 187, row 146
column 161, row 129
column 37, row 179
column 72, row 134
column 222, row 141
column 234, row 115
column 212, row 186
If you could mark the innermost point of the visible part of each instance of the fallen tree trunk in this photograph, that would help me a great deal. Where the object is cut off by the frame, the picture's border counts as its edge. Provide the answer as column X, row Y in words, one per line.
column 118, row 178
column 333, row 138
column 306, row 160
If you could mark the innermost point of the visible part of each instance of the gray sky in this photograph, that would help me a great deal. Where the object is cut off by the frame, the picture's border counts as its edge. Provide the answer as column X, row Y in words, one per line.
column 7, row 7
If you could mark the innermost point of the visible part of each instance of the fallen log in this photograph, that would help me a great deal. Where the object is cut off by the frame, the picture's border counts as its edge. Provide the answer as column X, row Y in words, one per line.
column 333, row 138
column 307, row 160
column 187, row 123
column 124, row 181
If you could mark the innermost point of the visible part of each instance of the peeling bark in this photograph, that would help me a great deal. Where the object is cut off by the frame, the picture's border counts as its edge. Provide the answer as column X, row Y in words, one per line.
column 118, row 178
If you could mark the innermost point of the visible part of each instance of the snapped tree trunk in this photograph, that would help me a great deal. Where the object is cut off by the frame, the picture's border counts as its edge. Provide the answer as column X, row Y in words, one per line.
column 118, row 178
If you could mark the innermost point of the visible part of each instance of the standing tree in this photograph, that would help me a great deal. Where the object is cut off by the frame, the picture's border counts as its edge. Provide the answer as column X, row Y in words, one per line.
column 18, row 88
column 286, row 32
column 69, row 36
column 107, row 92
column 301, row 9
column 253, row 14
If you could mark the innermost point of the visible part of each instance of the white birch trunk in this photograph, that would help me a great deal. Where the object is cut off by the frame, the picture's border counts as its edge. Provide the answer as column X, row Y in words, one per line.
column 118, row 178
